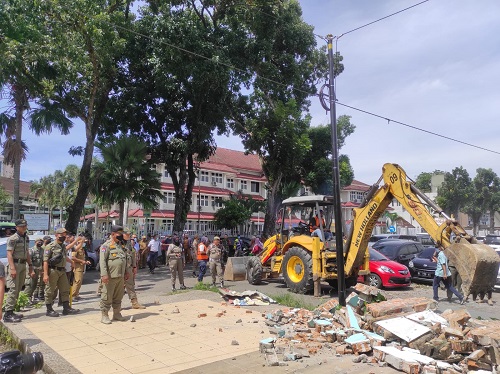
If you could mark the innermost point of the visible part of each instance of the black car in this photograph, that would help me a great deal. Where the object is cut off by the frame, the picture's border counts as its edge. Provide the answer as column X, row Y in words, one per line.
column 422, row 267
column 402, row 251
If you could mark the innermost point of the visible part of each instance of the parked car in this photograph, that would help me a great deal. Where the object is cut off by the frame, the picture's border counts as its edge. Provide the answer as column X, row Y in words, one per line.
column 492, row 241
column 402, row 251
column 497, row 284
column 244, row 241
column 422, row 267
column 386, row 273
column 375, row 238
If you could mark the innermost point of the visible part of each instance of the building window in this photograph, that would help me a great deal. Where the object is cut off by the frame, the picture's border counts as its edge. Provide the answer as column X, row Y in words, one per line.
column 216, row 178
column 356, row 196
column 230, row 183
column 202, row 200
column 204, row 176
column 169, row 197
column 243, row 185
column 255, row 187
column 165, row 173
column 217, row 202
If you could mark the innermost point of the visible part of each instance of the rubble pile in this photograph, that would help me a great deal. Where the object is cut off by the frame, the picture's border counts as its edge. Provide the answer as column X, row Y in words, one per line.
column 403, row 333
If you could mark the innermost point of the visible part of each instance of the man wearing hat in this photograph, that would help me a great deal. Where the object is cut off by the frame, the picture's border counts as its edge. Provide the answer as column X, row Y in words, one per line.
column 131, row 270
column 113, row 262
column 54, row 274
column 33, row 289
column 18, row 256
column 215, row 261
column 143, row 252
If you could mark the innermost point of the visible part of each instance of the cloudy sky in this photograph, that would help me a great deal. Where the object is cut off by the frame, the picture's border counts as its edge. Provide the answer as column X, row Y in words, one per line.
column 436, row 67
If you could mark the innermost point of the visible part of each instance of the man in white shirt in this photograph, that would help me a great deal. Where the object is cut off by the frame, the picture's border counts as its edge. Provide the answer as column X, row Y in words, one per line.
column 154, row 248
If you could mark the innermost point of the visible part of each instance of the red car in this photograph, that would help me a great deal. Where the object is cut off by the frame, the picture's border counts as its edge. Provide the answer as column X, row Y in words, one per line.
column 386, row 273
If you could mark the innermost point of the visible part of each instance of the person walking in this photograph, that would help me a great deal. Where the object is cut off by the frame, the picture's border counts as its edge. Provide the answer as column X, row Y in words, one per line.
column 112, row 263
column 186, row 245
column 154, row 247
column 143, row 252
column 443, row 274
column 80, row 263
column 194, row 250
column 215, row 254
column 18, row 256
column 131, row 269
column 175, row 259
column 33, row 288
column 54, row 274
column 202, row 256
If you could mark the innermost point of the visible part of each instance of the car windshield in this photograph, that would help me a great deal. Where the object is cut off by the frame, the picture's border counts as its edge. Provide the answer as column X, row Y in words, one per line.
column 492, row 239
column 427, row 253
column 377, row 256
column 388, row 250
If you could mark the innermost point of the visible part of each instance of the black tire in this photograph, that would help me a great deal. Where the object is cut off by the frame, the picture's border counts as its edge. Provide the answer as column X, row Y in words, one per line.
column 373, row 280
column 297, row 270
column 254, row 270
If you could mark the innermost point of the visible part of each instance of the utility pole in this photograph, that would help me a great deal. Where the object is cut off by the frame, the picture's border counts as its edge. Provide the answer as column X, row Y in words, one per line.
column 336, row 174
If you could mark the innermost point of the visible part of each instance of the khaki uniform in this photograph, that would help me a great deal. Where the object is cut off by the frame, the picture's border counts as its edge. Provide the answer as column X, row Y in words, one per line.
column 215, row 262
column 176, row 263
column 143, row 254
column 19, row 246
column 78, row 271
column 194, row 248
column 131, row 264
column 113, row 263
column 35, row 284
column 57, row 273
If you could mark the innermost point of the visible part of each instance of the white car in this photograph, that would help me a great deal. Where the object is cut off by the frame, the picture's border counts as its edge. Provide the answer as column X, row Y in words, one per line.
column 497, row 284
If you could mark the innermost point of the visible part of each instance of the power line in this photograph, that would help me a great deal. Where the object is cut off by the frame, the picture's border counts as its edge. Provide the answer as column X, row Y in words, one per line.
column 417, row 128
column 380, row 19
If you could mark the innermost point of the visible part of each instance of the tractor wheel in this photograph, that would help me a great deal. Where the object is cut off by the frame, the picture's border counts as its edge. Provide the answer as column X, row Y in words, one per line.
column 373, row 280
column 297, row 270
column 254, row 270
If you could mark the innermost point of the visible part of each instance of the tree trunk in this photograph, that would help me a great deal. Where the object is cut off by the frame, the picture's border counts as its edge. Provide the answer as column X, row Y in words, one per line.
column 180, row 196
column 121, row 206
column 492, row 221
column 271, row 207
column 75, row 210
column 20, row 100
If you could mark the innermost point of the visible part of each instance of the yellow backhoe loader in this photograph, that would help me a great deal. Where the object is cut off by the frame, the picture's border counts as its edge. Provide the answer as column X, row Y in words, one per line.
column 302, row 259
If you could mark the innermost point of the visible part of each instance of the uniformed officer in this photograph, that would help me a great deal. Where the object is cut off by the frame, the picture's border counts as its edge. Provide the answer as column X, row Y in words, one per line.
column 113, row 262
column 17, row 255
column 175, row 259
column 54, row 274
column 215, row 261
column 80, row 262
column 32, row 290
column 131, row 270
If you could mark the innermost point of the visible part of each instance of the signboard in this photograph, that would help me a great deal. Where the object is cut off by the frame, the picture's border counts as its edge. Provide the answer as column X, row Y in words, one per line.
column 392, row 229
column 37, row 221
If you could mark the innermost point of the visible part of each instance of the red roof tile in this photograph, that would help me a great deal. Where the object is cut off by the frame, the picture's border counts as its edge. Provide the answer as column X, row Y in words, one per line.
column 357, row 186
column 8, row 185
column 236, row 159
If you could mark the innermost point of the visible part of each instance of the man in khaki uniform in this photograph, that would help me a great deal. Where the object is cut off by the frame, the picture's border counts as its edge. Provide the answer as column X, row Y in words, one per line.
column 18, row 256
column 215, row 261
column 131, row 270
column 36, row 255
column 80, row 262
column 175, row 260
column 143, row 252
column 54, row 274
column 113, row 262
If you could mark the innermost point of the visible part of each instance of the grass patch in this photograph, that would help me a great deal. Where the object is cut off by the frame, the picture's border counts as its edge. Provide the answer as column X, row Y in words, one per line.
column 292, row 301
column 205, row 287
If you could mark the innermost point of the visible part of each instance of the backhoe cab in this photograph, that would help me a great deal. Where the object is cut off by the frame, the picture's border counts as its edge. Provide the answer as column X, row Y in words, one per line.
column 302, row 258
column 303, row 248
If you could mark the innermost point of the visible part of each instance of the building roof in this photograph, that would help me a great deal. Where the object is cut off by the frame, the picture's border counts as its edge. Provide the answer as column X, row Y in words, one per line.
column 357, row 186
column 235, row 159
column 8, row 185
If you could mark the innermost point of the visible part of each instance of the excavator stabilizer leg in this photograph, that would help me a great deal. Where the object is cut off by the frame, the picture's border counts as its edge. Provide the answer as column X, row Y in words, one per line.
column 477, row 265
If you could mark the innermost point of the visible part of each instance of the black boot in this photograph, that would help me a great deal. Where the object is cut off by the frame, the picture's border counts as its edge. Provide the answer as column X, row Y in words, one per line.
column 50, row 311
column 68, row 310
column 18, row 315
column 9, row 316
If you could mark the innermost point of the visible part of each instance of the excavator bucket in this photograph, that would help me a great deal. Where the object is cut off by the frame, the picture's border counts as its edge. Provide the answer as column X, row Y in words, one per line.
column 236, row 268
column 477, row 265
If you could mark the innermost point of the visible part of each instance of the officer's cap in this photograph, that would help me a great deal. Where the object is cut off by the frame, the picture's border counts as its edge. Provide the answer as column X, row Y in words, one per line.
column 126, row 230
column 21, row 222
column 46, row 237
column 116, row 228
column 61, row 230
column 216, row 238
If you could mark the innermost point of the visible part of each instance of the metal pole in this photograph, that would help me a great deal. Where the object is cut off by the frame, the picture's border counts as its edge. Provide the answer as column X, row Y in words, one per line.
column 336, row 178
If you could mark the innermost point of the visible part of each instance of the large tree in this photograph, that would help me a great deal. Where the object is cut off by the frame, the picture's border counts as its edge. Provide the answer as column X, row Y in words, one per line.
column 81, row 41
column 286, row 65
column 456, row 191
column 487, row 190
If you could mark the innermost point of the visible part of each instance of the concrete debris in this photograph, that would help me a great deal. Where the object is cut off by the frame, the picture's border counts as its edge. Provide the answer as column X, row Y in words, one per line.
column 245, row 298
column 404, row 333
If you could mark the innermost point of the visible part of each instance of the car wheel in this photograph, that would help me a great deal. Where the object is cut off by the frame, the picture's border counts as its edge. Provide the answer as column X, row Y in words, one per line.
column 297, row 270
column 254, row 270
column 373, row 280
column 91, row 265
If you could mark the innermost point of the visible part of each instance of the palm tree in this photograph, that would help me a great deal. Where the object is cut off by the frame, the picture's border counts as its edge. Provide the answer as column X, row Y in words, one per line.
column 124, row 174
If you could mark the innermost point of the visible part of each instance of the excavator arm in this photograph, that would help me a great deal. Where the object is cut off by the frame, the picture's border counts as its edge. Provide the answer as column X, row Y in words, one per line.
column 476, row 263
